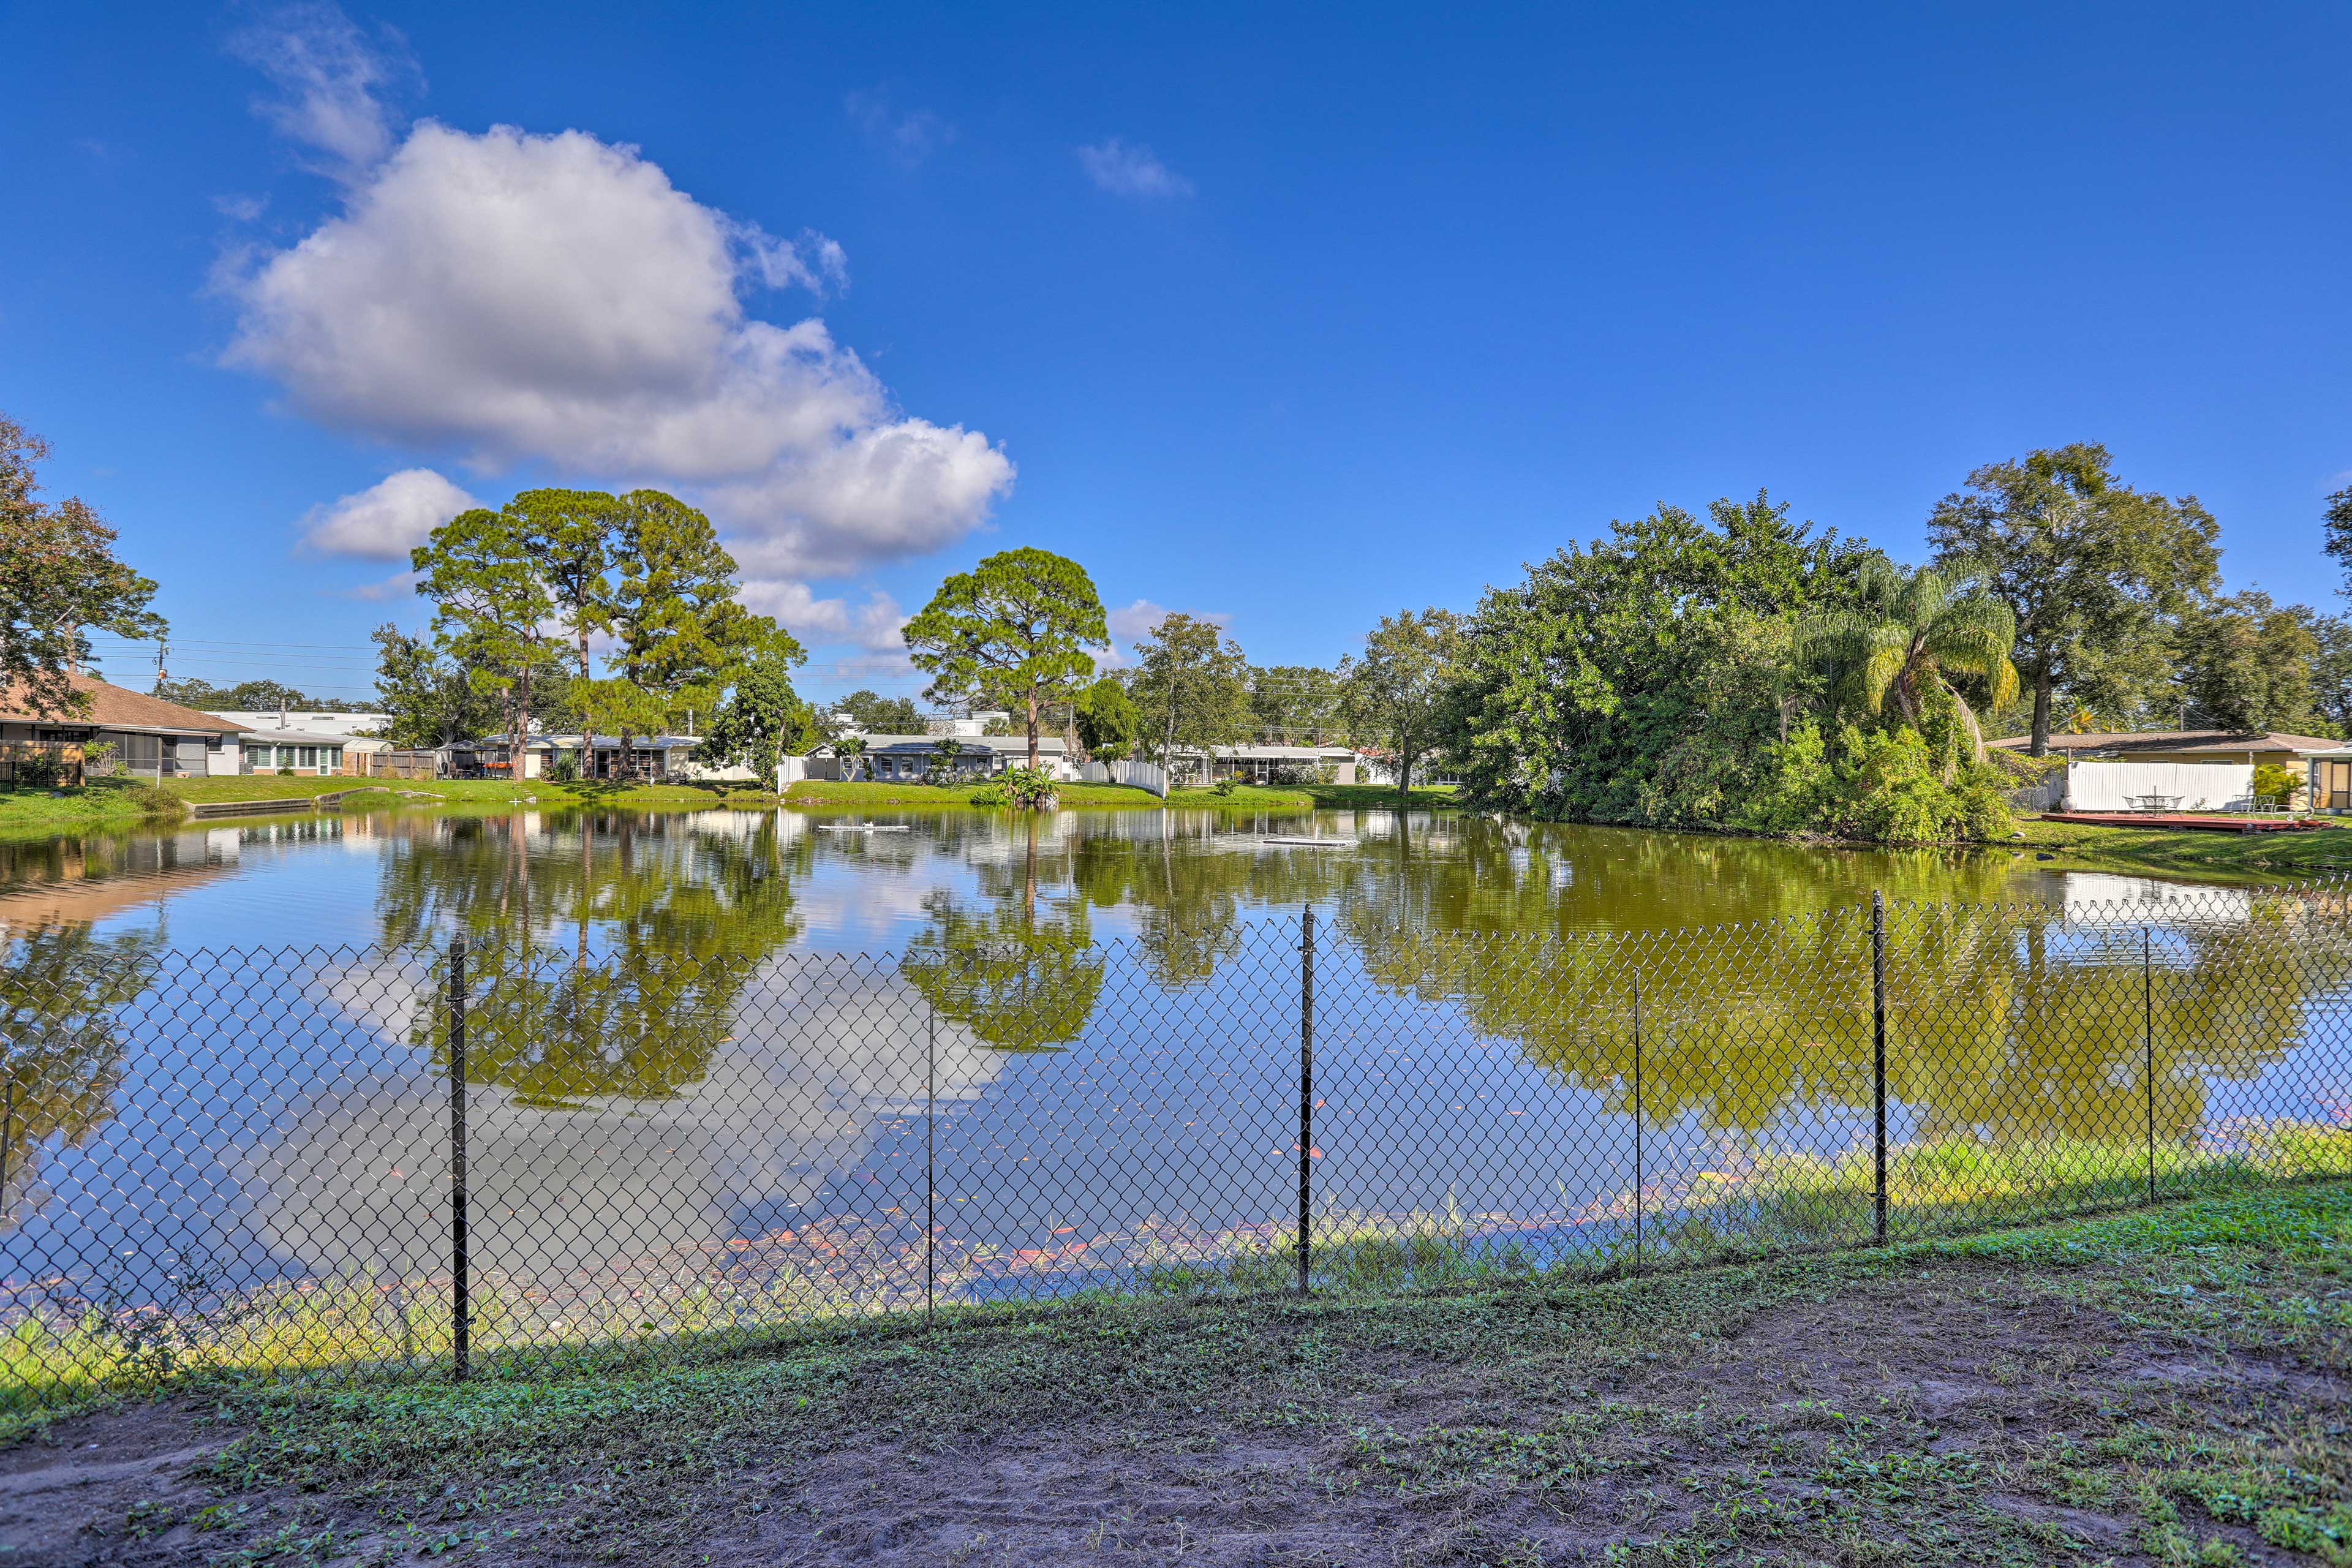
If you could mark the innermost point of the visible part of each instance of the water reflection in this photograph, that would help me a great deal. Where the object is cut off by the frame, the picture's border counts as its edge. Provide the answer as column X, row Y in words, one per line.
column 62, row 1045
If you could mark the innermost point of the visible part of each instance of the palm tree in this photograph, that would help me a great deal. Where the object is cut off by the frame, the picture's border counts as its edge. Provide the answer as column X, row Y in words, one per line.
column 1910, row 634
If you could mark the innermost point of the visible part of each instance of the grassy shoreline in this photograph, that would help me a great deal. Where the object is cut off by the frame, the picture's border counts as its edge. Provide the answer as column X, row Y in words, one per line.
column 2209, row 856
column 1090, row 796
column 2166, row 1385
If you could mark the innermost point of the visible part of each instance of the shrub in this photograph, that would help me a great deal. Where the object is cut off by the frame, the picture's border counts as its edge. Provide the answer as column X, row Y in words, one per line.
column 2277, row 783
column 38, row 769
column 1227, row 785
column 988, row 795
column 566, row 769
column 1032, row 788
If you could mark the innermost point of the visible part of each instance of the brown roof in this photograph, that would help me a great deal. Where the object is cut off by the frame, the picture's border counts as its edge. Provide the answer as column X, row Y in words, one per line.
column 2222, row 742
column 112, row 707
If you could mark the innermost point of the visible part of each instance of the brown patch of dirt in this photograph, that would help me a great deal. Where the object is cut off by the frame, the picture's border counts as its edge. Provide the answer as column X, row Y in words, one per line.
column 1420, row 1471
column 111, row 1487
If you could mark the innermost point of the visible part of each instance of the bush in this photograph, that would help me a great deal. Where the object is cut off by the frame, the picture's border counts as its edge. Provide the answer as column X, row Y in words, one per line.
column 1889, row 786
column 38, row 769
column 1031, row 788
column 988, row 795
column 1227, row 785
column 566, row 769
column 286, row 772
column 157, row 800
column 2276, row 783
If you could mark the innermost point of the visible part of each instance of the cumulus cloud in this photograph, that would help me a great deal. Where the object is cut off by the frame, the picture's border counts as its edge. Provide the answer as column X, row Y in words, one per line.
column 555, row 298
column 873, row 625
column 385, row 521
column 1131, row 624
column 907, row 136
column 1129, row 169
column 330, row 83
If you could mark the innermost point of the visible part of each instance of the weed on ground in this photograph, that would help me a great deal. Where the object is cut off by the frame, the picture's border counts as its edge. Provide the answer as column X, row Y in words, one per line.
column 2172, row 1386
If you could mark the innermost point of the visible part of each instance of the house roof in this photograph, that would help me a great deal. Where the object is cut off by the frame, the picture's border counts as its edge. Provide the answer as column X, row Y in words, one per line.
column 2222, row 743
column 875, row 743
column 113, row 707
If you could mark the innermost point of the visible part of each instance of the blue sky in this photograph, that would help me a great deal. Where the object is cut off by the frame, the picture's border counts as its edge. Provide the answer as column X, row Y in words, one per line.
column 1292, row 315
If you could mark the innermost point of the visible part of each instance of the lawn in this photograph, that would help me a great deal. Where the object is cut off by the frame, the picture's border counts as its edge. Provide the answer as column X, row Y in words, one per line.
column 474, row 792
column 1245, row 797
column 107, row 805
column 2239, row 856
column 2169, row 1386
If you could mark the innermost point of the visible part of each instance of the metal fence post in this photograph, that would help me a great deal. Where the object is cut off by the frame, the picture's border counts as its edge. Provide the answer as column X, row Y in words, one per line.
column 1637, row 1119
column 460, row 1307
column 2147, row 1043
column 8, row 1141
column 930, row 1154
column 1305, row 1094
column 1878, row 1062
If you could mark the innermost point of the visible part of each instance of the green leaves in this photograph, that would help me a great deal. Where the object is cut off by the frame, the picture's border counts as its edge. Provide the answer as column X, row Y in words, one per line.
column 1190, row 686
column 59, row 580
column 1397, row 693
column 1014, row 630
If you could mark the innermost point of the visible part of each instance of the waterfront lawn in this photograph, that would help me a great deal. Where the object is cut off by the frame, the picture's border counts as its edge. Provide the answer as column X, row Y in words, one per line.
column 364, row 793
column 102, row 805
column 1245, row 797
column 2230, row 857
column 2169, row 1386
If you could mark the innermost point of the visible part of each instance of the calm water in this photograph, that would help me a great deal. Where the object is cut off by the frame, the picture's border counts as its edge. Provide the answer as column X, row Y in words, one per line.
column 728, row 1048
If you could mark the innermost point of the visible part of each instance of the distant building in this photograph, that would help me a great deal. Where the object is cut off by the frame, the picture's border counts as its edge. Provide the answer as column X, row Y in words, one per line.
column 309, row 742
column 2258, row 747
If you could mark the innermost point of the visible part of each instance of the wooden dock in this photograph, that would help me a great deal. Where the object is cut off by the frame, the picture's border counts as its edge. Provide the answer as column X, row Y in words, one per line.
column 2182, row 819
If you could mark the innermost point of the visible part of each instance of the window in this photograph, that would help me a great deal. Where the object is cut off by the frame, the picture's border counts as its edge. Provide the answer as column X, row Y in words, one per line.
column 310, row 757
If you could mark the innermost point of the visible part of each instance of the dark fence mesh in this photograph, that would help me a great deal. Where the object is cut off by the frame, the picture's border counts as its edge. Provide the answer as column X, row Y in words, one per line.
column 329, row 1163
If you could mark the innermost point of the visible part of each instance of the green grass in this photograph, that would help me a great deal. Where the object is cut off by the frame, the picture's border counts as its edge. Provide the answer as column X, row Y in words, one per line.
column 2167, row 1385
column 1089, row 796
column 104, row 806
column 464, row 792
column 2218, row 857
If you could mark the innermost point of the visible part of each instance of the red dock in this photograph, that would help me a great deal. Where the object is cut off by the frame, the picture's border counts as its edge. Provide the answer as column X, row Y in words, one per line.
column 2185, row 819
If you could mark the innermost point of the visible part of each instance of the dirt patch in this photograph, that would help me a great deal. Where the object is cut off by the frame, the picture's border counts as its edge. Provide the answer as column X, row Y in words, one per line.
column 108, row 1487
column 1929, row 1419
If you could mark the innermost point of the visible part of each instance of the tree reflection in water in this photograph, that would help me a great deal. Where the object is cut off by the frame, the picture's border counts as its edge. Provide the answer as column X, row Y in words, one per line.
column 607, row 952
column 62, row 1046
column 1019, row 978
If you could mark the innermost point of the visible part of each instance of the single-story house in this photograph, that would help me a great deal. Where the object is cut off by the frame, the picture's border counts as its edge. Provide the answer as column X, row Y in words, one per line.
column 910, row 759
column 595, row 757
column 2258, row 748
column 310, row 742
column 2329, row 779
column 1266, row 764
column 152, row 738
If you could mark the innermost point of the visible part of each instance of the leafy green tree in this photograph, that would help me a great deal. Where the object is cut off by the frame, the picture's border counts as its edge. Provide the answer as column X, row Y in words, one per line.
column 1107, row 718
column 683, row 631
column 59, row 580
column 1297, row 704
column 489, row 601
column 1013, row 631
column 1398, row 693
column 2093, row 570
column 1911, row 633
column 1646, row 678
column 572, row 535
column 2247, row 663
column 427, row 696
column 761, row 721
column 881, row 715
column 2331, row 674
column 2337, row 520
column 1191, row 687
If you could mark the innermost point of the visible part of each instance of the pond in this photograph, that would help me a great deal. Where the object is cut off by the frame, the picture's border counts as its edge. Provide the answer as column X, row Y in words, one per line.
column 790, row 1062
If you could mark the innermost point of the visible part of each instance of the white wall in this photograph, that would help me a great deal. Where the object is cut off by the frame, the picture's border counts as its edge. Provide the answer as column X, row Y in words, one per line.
column 2200, row 786
column 1142, row 775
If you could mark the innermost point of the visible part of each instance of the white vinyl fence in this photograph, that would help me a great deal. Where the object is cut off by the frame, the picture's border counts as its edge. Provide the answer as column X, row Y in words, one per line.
column 2163, row 786
column 1142, row 775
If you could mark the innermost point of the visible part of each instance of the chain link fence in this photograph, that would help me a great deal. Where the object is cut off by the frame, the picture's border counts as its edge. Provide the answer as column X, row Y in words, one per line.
column 523, row 1149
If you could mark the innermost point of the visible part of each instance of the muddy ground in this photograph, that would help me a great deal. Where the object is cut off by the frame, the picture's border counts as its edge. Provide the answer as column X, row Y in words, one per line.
column 1930, row 1409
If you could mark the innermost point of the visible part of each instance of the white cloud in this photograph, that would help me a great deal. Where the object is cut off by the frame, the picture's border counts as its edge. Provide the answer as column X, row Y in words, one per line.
column 910, row 136
column 873, row 625
column 1126, row 169
column 385, row 521
column 241, row 208
column 1131, row 624
column 555, row 297
column 399, row 586
column 331, row 82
